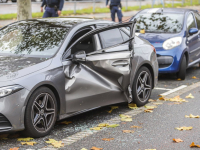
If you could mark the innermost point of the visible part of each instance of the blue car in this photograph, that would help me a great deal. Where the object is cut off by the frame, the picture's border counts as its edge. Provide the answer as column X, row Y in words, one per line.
column 175, row 34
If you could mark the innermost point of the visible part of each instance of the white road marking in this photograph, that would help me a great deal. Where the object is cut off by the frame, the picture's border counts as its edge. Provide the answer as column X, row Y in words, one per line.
column 173, row 90
column 162, row 89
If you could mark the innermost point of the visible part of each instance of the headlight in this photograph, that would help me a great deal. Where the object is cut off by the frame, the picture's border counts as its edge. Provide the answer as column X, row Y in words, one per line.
column 171, row 43
column 4, row 91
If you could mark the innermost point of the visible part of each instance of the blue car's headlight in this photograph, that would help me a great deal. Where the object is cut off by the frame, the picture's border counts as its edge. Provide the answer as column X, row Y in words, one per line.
column 4, row 91
column 171, row 43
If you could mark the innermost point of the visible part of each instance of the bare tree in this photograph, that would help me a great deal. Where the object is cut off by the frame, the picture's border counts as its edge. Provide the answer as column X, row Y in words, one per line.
column 24, row 9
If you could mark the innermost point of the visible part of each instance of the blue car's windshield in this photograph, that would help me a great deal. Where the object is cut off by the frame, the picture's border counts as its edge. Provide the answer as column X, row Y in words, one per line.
column 159, row 22
column 31, row 38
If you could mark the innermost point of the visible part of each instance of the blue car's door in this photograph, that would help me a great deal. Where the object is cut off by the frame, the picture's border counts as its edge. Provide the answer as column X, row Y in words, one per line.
column 193, row 41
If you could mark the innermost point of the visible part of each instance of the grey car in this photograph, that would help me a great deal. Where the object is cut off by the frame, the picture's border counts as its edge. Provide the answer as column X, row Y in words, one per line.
column 51, row 69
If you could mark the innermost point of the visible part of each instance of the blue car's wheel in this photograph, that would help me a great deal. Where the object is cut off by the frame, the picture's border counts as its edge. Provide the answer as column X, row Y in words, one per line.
column 182, row 71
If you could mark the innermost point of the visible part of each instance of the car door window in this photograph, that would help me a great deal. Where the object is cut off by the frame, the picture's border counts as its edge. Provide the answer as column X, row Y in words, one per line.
column 197, row 16
column 190, row 22
column 111, row 37
column 125, row 33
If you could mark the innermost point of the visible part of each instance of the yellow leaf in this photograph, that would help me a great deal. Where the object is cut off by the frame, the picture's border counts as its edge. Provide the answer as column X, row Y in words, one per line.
column 142, row 31
column 184, row 128
column 113, row 125
column 51, row 141
column 192, row 116
column 157, row 103
column 136, row 127
column 96, row 148
column 150, row 107
column 161, row 98
column 126, row 119
column 66, row 122
column 132, row 106
column 128, row 131
column 194, row 77
column 96, row 128
column 148, row 110
column 14, row 148
column 179, row 79
column 108, row 139
column 112, row 108
column 177, row 140
column 190, row 96
column 193, row 145
column 83, row 149
column 176, row 99
column 56, row 144
column 151, row 100
column 103, row 125
column 28, row 143
column 25, row 139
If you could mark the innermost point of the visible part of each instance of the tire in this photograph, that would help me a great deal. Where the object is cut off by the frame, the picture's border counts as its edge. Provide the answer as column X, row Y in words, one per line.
column 182, row 71
column 142, row 86
column 41, row 113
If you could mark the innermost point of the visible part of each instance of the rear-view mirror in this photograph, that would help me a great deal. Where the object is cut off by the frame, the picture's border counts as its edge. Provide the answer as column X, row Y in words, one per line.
column 80, row 55
column 193, row 31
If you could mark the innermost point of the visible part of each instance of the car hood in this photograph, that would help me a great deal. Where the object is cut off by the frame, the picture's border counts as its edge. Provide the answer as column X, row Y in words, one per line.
column 157, row 39
column 12, row 67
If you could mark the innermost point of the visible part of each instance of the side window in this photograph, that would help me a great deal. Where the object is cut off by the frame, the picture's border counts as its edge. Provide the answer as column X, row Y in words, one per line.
column 190, row 22
column 197, row 16
column 125, row 33
column 110, row 38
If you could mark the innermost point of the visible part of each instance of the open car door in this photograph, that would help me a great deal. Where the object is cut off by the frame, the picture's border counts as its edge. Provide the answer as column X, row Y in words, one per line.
column 101, row 77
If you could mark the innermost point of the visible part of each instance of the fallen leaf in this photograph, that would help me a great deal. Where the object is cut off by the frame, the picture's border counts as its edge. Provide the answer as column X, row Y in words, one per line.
column 132, row 106
column 112, row 125
column 175, row 99
column 161, row 98
column 112, row 108
column 193, row 145
column 66, row 122
column 56, row 144
column 28, row 143
column 148, row 110
column 108, row 139
column 136, row 127
column 157, row 103
column 150, row 107
column 194, row 77
column 128, row 131
column 184, row 128
column 192, row 116
column 177, row 140
column 3, row 138
column 125, row 117
column 83, row 149
column 14, row 148
column 151, row 100
column 179, row 79
column 96, row 148
column 25, row 139
column 96, row 128
column 190, row 96
column 103, row 125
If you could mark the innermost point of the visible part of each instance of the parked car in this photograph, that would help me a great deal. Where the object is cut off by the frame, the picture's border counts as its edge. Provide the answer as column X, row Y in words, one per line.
column 51, row 69
column 3, row 1
column 174, row 32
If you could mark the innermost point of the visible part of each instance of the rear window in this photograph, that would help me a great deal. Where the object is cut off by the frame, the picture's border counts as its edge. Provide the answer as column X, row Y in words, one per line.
column 159, row 22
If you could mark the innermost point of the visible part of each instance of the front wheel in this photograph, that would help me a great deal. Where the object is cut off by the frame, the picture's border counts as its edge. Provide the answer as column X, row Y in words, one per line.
column 142, row 86
column 41, row 113
column 182, row 71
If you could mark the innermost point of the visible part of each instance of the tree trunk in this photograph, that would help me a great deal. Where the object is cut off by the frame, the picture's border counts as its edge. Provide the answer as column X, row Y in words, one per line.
column 24, row 9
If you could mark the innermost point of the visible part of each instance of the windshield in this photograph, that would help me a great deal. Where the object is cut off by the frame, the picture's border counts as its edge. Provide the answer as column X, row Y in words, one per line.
column 32, row 38
column 159, row 23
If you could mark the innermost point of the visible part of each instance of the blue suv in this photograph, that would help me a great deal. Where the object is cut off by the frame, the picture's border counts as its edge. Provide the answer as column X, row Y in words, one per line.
column 175, row 34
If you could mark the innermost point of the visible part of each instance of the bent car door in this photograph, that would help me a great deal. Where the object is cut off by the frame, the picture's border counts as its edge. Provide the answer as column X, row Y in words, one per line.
column 101, row 77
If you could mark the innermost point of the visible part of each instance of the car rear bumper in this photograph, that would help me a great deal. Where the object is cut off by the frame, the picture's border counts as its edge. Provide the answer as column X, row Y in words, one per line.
column 12, row 111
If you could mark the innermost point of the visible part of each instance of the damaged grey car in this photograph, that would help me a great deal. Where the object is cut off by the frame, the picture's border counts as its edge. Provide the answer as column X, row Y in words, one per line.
column 51, row 69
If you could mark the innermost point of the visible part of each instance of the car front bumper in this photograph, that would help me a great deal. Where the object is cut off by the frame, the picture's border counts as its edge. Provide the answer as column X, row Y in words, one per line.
column 12, row 110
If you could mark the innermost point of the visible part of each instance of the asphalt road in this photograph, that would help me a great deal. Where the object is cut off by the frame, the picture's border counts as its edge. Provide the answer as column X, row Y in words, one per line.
column 157, row 128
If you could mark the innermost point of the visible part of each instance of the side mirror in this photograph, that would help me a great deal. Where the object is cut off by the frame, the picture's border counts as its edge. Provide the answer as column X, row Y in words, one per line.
column 80, row 55
column 193, row 31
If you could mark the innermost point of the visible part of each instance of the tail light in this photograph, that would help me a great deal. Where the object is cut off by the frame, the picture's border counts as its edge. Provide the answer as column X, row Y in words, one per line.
column 154, row 49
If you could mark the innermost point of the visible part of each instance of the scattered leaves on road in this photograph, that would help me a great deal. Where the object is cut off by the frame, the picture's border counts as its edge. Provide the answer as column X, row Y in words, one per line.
column 113, row 125
column 103, row 125
column 194, row 77
column 132, row 106
column 25, row 139
column 96, row 128
column 193, row 145
column 128, row 131
column 179, row 79
column 177, row 140
column 136, row 127
column 125, row 117
column 66, row 122
column 184, row 128
column 14, row 148
column 151, row 100
column 108, row 139
column 150, row 107
column 112, row 108
column 190, row 96
column 175, row 99
column 148, row 110
column 96, row 148
column 28, row 143
column 83, row 149
column 192, row 116
column 56, row 144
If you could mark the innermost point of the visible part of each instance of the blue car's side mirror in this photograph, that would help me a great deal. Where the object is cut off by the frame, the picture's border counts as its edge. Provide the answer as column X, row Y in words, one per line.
column 193, row 31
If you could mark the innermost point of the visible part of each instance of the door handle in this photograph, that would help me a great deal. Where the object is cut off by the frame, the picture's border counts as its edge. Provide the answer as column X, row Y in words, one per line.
column 120, row 63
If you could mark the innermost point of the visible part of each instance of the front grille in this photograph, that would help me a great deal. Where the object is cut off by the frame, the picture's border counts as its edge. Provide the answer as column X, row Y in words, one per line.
column 4, row 123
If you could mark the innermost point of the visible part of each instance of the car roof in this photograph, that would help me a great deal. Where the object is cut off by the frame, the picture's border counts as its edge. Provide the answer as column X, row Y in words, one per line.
column 167, row 10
